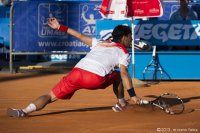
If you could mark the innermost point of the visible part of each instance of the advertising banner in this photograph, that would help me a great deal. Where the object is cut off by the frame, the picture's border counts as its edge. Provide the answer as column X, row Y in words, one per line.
column 32, row 34
column 170, row 33
column 162, row 32
column 108, row 25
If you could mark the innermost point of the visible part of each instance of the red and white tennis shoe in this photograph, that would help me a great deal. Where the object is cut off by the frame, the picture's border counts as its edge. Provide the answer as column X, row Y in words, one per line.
column 15, row 113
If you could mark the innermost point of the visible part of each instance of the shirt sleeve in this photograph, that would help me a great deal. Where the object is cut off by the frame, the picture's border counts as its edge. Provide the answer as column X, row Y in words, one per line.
column 95, row 41
column 124, row 60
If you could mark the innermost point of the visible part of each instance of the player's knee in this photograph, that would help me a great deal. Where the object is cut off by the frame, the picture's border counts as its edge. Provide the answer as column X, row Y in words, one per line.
column 53, row 97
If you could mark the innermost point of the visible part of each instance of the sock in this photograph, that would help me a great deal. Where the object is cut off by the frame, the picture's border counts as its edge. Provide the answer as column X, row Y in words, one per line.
column 122, row 101
column 30, row 108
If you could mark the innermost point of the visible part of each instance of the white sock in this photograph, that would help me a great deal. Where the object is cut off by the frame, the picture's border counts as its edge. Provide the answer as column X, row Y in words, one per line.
column 30, row 108
column 122, row 101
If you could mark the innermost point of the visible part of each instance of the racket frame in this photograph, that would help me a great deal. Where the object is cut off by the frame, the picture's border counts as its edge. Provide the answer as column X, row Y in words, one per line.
column 156, row 65
column 164, row 108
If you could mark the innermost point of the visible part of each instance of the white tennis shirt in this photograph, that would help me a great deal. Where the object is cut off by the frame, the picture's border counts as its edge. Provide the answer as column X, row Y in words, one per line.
column 104, row 57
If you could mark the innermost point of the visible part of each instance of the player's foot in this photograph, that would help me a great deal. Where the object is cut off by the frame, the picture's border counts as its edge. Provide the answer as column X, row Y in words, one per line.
column 118, row 107
column 15, row 113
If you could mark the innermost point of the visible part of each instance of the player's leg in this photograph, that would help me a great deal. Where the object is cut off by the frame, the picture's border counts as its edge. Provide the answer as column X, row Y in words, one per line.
column 36, row 105
column 40, row 103
column 118, row 89
column 62, row 90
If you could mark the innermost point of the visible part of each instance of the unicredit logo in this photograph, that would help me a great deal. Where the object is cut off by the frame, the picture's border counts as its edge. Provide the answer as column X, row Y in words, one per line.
column 139, row 11
column 154, row 10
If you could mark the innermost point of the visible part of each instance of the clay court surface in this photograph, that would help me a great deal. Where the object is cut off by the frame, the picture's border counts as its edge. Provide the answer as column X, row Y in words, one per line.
column 90, row 111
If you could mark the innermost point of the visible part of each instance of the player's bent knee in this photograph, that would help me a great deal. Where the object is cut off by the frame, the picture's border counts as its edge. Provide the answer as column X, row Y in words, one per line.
column 53, row 97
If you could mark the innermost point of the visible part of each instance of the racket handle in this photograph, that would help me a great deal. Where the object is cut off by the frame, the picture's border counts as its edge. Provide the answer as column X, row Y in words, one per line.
column 142, row 102
column 154, row 51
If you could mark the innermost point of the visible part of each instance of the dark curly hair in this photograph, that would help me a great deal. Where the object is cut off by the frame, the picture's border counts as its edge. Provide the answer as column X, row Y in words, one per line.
column 120, row 31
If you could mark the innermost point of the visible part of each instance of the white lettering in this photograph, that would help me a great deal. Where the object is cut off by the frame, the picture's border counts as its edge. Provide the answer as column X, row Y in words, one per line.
column 196, row 32
column 89, row 30
column 160, row 35
column 46, row 31
column 165, row 32
column 145, row 31
column 187, row 31
column 175, row 31
column 61, row 44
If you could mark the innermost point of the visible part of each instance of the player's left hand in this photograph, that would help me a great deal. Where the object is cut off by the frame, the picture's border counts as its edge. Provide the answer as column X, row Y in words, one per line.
column 53, row 23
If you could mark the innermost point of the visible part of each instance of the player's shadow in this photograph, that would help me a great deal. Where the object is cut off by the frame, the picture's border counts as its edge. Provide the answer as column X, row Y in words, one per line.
column 185, row 100
column 75, row 110
column 136, row 108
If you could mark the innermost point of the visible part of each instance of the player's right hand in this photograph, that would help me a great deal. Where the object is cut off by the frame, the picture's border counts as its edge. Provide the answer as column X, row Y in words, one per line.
column 139, row 101
column 136, row 99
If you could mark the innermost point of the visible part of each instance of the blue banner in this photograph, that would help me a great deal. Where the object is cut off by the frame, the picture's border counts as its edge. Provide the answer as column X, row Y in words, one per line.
column 163, row 32
column 171, row 33
column 32, row 34
column 108, row 25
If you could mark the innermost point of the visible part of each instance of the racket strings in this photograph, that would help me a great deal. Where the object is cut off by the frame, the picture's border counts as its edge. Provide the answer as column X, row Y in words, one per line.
column 169, row 103
column 172, row 104
column 160, row 103
column 153, row 71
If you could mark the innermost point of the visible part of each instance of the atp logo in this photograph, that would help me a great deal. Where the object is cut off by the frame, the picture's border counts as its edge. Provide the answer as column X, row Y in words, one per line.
column 48, row 10
column 89, row 13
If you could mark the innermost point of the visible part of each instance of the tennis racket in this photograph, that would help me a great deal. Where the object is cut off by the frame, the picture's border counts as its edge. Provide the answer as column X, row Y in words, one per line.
column 153, row 71
column 168, row 102
column 85, row 9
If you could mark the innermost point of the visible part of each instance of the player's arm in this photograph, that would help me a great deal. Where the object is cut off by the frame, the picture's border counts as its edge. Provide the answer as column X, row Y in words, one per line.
column 127, row 83
column 85, row 39
column 53, row 23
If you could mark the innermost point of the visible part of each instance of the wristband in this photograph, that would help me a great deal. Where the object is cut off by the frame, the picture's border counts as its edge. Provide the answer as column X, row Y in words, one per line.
column 131, row 92
column 63, row 28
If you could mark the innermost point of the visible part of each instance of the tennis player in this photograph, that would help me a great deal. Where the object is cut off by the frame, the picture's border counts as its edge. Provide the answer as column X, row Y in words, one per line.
column 94, row 71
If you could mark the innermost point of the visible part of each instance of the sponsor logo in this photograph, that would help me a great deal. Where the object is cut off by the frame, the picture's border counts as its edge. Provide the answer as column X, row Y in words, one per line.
column 154, row 10
column 89, row 13
column 165, row 32
column 46, row 11
column 139, row 11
